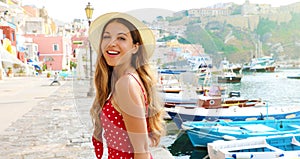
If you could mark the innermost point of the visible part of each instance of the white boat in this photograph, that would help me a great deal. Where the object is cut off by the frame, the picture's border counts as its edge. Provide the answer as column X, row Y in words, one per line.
column 212, row 106
column 274, row 147
column 168, row 81
column 225, row 65
column 230, row 73
column 262, row 64
column 229, row 77
column 180, row 114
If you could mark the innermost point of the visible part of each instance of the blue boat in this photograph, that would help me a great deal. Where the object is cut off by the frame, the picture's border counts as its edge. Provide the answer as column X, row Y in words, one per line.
column 203, row 132
column 281, row 146
column 170, row 71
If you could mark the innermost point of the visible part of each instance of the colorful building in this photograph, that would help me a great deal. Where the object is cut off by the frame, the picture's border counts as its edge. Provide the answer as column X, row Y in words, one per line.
column 54, row 51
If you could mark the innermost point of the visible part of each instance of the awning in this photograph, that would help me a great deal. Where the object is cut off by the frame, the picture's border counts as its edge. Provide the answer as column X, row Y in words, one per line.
column 34, row 63
column 5, row 56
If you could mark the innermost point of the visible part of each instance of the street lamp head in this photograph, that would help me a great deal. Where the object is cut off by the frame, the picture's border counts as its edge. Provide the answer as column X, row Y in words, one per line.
column 89, row 11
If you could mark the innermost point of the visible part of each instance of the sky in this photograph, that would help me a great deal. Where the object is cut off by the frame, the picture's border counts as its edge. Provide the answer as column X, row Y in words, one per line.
column 68, row 10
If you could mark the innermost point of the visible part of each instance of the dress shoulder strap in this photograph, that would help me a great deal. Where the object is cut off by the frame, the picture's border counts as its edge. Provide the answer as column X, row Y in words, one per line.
column 144, row 92
column 146, row 103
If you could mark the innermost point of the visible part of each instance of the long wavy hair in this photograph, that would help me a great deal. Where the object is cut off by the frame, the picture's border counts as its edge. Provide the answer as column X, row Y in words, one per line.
column 104, row 86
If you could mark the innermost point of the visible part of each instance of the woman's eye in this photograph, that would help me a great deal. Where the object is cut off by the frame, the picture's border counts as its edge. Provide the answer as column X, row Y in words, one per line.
column 106, row 37
column 121, row 38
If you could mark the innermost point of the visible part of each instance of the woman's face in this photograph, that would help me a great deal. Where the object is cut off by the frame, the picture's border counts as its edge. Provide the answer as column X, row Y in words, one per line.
column 117, row 45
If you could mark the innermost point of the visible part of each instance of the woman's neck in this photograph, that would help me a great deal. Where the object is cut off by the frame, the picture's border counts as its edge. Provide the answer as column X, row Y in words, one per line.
column 118, row 71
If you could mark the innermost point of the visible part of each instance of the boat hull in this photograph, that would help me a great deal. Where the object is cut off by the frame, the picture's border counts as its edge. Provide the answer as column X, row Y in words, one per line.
column 293, row 77
column 202, row 133
column 182, row 114
column 286, row 146
column 263, row 69
column 229, row 79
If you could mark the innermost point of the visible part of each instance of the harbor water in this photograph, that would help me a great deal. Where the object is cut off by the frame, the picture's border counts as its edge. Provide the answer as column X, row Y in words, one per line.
column 273, row 87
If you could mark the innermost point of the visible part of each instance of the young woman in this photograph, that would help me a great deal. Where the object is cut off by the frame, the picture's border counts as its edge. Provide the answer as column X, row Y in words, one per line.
column 126, row 110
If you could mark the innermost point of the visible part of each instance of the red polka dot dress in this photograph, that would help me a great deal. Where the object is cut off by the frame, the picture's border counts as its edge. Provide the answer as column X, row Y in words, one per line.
column 117, row 138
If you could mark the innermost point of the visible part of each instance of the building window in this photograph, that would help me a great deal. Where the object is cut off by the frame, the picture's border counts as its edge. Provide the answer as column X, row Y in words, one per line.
column 55, row 47
column 35, row 48
column 12, row 36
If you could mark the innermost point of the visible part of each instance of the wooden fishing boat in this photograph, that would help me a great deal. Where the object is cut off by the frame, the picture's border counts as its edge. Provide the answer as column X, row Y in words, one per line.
column 183, row 113
column 203, row 132
column 281, row 146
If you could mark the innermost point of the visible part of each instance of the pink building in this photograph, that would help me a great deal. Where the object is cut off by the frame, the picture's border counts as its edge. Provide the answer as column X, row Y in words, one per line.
column 79, row 42
column 54, row 51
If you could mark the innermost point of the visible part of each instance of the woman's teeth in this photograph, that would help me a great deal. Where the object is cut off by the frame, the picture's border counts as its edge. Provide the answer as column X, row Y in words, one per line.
column 113, row 52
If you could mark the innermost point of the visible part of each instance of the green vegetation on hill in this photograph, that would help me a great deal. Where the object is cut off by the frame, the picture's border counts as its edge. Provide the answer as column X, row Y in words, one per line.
column 265, row 26
column 242, row 43
column 286, row 34
column 197, row 35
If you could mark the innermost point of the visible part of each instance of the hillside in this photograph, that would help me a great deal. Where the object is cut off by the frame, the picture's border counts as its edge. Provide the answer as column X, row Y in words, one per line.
column 224, row 40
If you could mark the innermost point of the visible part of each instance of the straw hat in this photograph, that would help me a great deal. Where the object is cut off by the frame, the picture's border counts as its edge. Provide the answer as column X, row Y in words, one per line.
column 96, row 29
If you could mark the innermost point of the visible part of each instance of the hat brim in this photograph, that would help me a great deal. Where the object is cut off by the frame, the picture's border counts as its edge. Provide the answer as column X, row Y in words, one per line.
column 96, row 29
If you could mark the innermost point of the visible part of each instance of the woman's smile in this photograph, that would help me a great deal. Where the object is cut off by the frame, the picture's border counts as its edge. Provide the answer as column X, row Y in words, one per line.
column 113, row 54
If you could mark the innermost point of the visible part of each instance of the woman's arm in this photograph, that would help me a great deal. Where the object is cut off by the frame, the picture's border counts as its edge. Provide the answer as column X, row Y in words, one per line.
column 98, row 147
column 97, row 135
column 130, row 100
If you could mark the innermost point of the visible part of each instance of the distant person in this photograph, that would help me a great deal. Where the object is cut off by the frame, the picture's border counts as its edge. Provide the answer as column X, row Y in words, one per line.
column 126, row 110
column 55, row 79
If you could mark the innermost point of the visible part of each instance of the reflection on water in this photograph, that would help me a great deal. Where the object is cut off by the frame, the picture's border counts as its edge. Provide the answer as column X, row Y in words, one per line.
column 273, row 88
column 183, row 148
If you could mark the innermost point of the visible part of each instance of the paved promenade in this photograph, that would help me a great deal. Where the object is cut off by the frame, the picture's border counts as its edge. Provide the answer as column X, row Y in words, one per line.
column 47, row 122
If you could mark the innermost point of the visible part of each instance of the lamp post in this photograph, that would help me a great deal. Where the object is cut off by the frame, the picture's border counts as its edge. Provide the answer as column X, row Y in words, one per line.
column 89, row 13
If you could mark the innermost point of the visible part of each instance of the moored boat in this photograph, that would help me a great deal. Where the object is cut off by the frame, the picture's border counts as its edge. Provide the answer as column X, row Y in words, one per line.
column 297, row 76
column 229, row 77
column 262, row 64
column 230, row 73
column 214, row 99
column 203, row 132
column 281, row 146
column 226, row 65
column 180, row 114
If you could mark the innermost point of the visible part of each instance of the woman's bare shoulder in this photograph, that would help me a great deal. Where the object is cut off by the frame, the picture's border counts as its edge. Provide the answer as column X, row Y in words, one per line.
column 128, row 96
column 127, row 81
